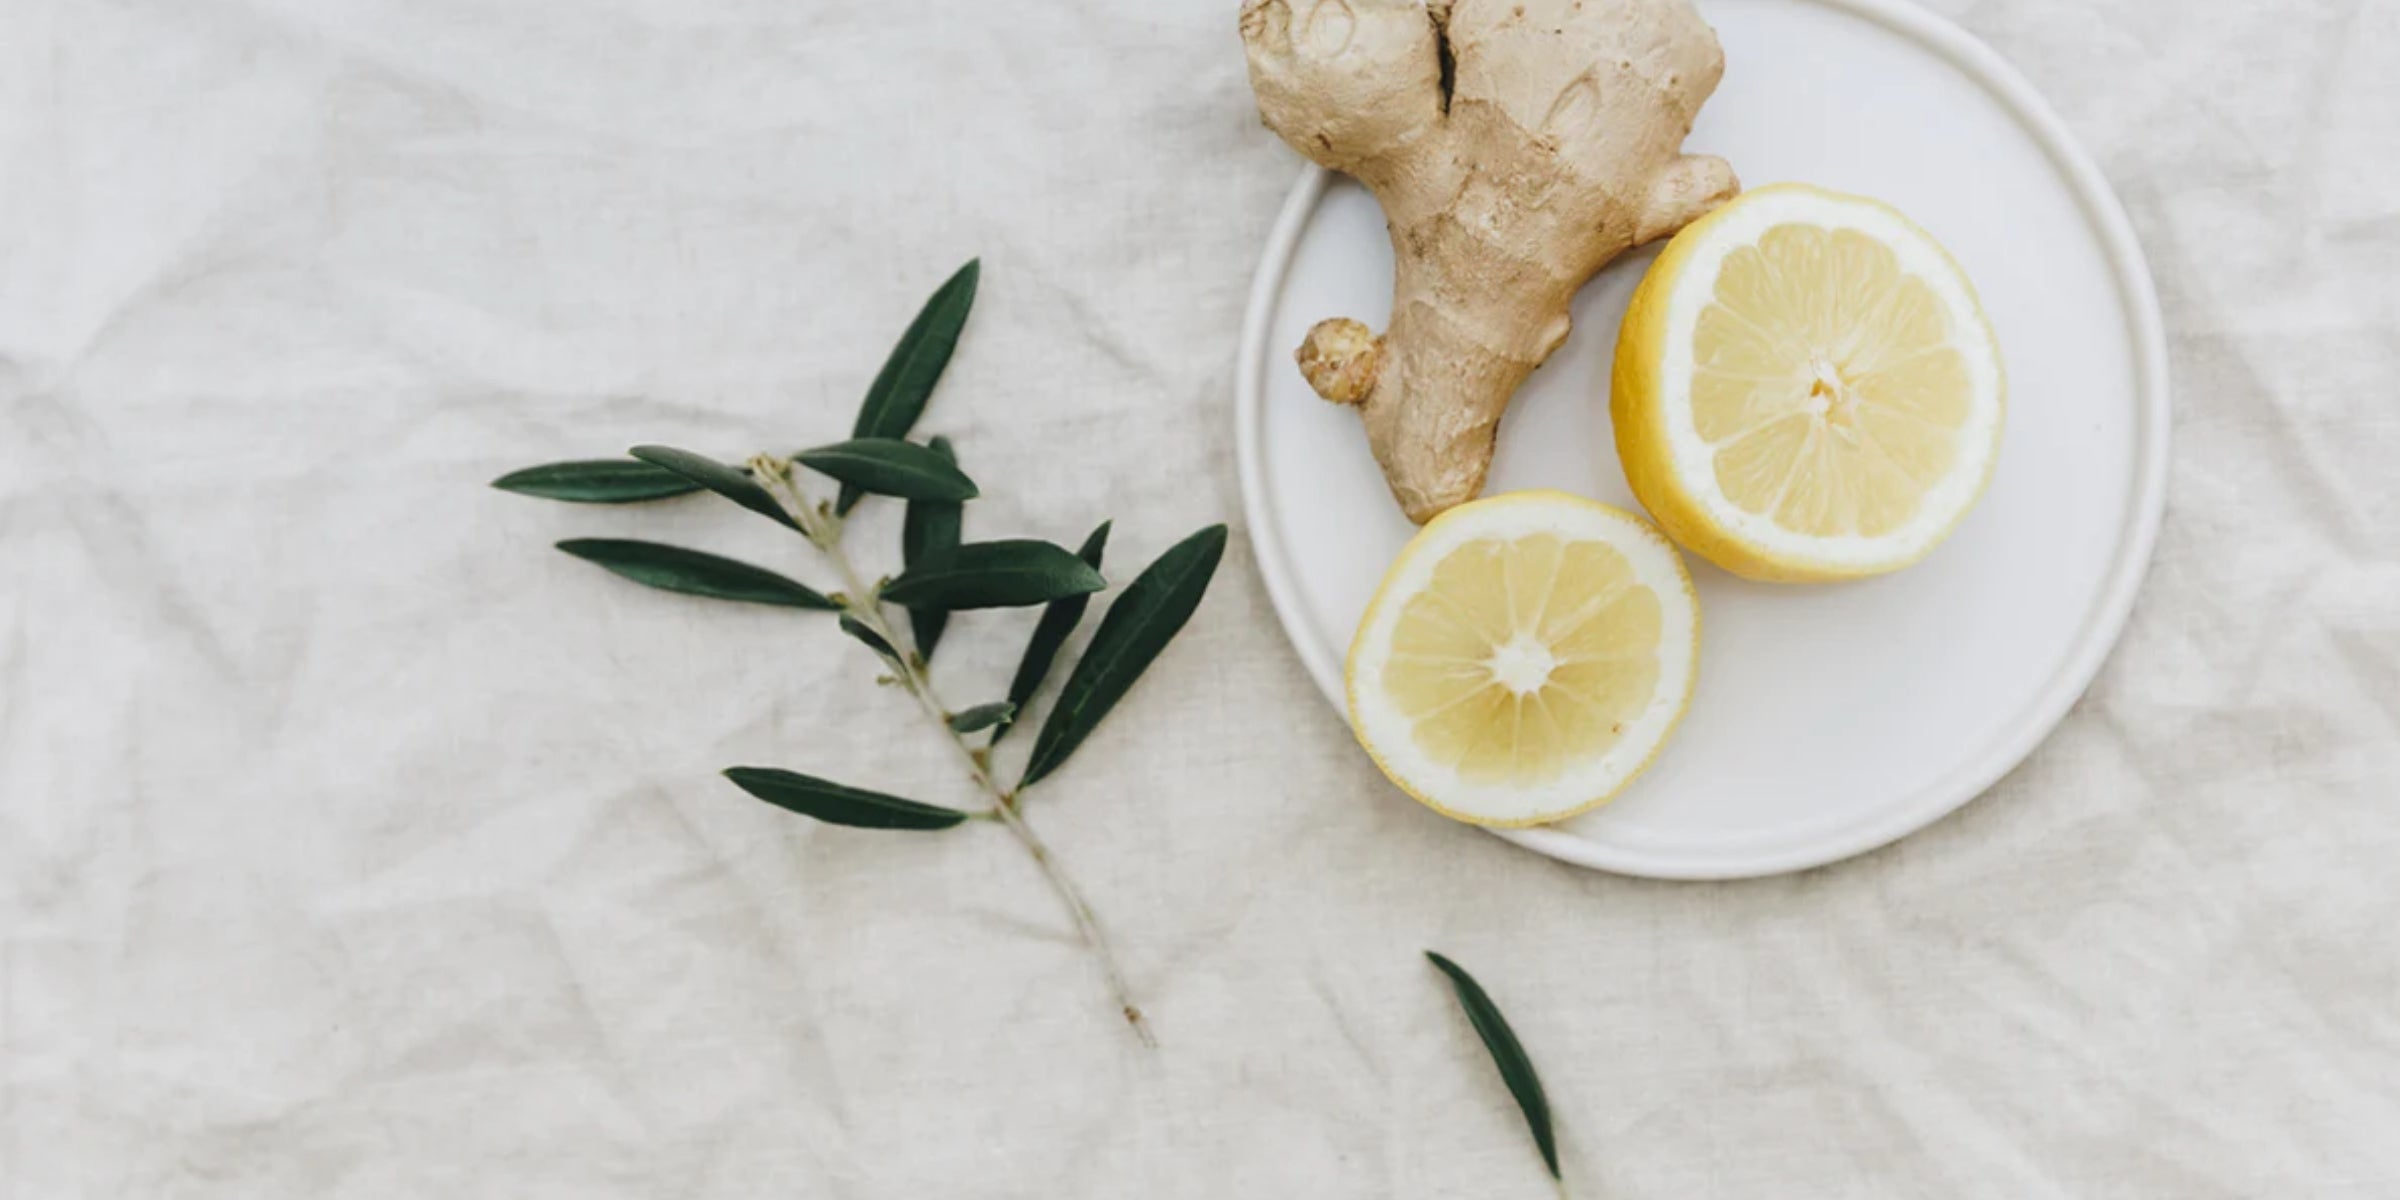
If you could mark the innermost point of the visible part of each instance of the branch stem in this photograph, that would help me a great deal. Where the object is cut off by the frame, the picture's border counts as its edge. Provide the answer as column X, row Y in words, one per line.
column 860, row 600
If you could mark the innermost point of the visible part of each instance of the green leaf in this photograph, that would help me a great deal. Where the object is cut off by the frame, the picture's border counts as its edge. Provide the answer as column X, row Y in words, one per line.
column 982, row 716
column 1003, row 574
column 1516, row 1070
column 733, row 483
column 891, row 467
column 838, row 805
column 929, row 527
column 1050, row 633
column 693, row 573
column 1138, row 626
column 868, row 637
column 898, row 395
column 597, row 481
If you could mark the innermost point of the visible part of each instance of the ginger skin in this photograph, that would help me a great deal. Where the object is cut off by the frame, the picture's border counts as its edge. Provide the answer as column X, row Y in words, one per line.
column 1517, row 146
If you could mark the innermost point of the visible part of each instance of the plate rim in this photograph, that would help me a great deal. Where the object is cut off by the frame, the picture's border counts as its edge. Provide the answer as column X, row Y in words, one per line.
column 1977, row 771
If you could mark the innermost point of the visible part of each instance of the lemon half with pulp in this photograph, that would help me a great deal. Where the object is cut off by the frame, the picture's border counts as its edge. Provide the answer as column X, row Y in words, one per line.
column 1806, row 388
column 1525, row 658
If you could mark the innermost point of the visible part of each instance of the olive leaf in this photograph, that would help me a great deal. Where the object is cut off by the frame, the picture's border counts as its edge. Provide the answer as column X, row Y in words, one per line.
column 982, row 716
column 1050, row 633
column 694, row 573
column 1003, row 574
column 597, row 481
column 900, row 390
column 733, row 483
column 868, row 638
column 890, row 467
column 1516, row 1070
column 1138, row 625
column 929, row 527
column 835, row 804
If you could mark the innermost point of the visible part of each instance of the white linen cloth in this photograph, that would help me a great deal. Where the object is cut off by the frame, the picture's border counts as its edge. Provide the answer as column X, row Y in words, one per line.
column 353, row 843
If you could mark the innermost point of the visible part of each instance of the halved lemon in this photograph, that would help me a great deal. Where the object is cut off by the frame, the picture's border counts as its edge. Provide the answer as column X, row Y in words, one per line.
column 1806, row 388
column 1525, row 658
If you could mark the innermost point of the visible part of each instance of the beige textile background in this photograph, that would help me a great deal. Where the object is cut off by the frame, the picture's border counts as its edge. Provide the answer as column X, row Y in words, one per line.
column 355, row 844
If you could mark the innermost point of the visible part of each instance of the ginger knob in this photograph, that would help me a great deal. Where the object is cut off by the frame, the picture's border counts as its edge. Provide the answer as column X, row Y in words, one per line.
column 1339, row 358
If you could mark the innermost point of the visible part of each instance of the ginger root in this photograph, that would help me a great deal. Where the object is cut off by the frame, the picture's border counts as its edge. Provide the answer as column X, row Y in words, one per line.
column 1517, row 146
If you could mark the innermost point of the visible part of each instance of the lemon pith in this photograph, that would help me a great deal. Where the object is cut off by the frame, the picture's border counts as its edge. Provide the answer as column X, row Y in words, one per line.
column 1806, row 388
column 1525, row 658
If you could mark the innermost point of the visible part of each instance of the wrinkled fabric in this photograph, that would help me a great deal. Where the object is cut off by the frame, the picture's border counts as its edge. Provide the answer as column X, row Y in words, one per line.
column 355, row 844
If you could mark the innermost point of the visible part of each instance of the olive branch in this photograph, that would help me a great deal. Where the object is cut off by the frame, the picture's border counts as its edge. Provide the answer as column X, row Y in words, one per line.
column 940, row 574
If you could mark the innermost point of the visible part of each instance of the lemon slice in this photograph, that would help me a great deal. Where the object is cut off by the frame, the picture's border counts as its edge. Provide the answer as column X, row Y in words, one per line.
column 1806, row 388
column 1525, row 658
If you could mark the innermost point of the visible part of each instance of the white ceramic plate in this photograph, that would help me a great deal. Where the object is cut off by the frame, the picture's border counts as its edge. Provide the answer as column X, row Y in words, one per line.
column 1827, row 720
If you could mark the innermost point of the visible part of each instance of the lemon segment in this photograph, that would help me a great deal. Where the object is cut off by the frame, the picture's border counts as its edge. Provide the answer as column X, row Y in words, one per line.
column 1806, row 388
column 1525, row 658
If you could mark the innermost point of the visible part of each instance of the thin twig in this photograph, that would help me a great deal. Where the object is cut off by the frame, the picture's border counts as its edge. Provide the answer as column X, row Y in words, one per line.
column 1085, row 922
column 861, row 601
